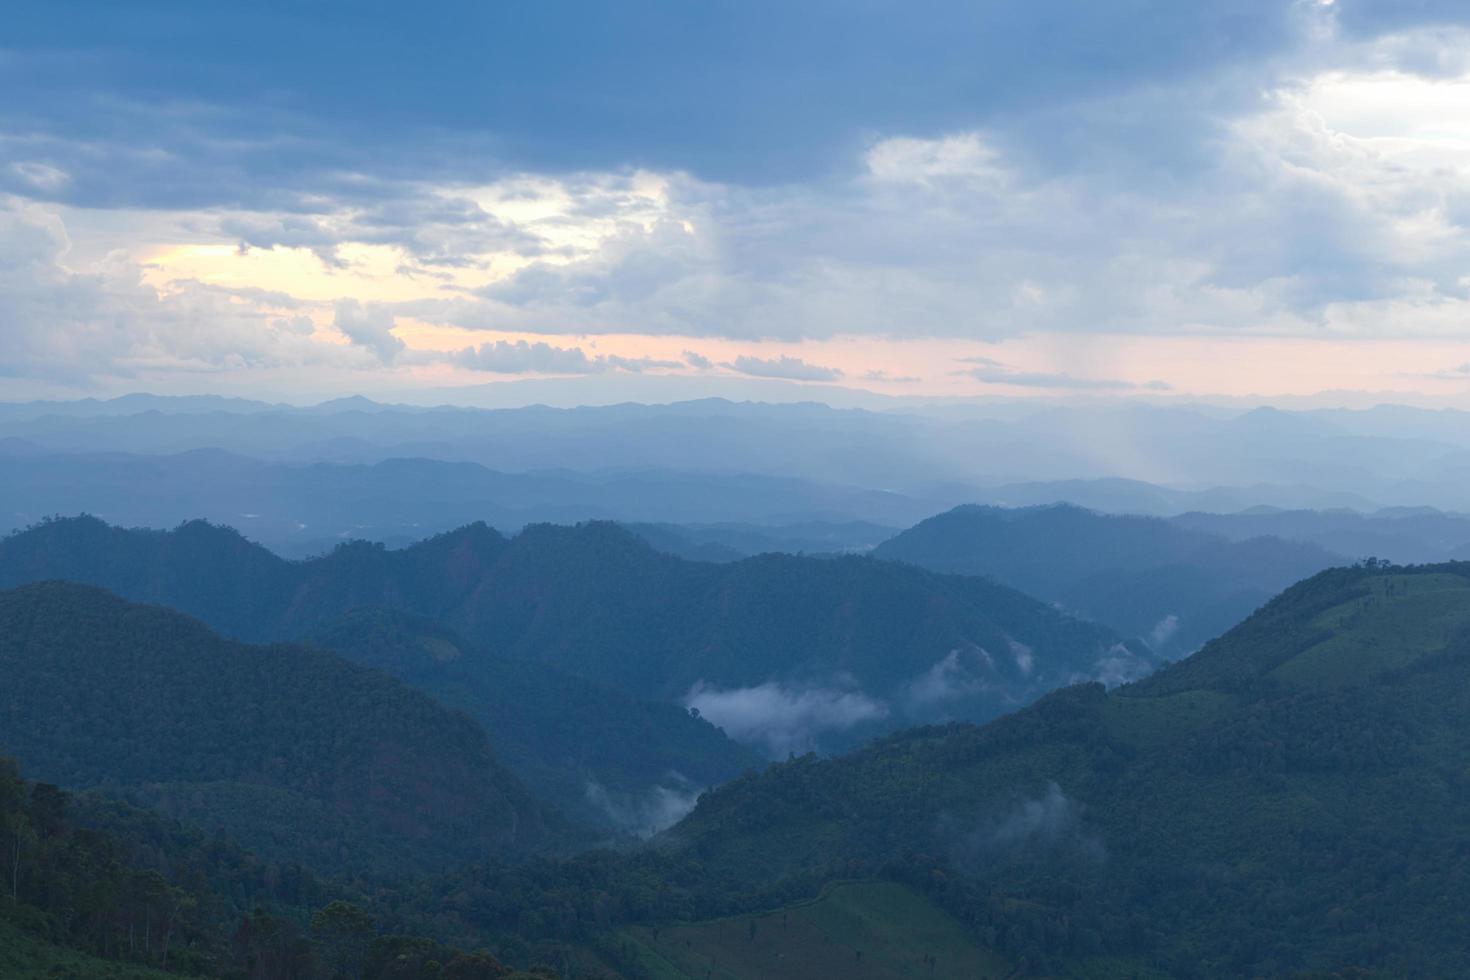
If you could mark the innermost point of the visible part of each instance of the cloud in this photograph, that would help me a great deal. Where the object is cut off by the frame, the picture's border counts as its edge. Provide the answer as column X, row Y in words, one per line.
column 698, row 361
column 497, row 93
column 76, row 324
column 434, row 228
column 1163, row 631
column 958, row 674
column 785, row 366
column 784, row 719
column 993, row 372
column 1460, row 372
column 884, row 376
column 1048, row 819
column 523, row 357
column 634, row 265
column 638, row 365
column 1049, row 824
column 1120, row 665
column 649, row 811
column 368, row 325
column 1024, row 656
column 984, row 171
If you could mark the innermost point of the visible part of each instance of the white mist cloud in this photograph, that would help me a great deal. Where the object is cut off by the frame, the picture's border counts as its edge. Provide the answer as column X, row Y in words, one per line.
column 1025, row 658
column 956, row 675
column 1163, row 630
column 783, row 719
column 1120, row 665
column 647, row 812
column 1050, row 820
column 1049, row 823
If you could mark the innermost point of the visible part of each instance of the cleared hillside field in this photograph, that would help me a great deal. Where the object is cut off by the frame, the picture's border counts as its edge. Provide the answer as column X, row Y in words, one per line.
column 863, row 930
column 1400, row 619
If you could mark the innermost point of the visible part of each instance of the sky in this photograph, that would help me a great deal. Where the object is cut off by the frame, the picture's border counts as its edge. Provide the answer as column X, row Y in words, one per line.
column 1047, row 199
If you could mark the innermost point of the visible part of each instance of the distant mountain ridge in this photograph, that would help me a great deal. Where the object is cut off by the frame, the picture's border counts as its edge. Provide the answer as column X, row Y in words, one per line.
column 299, row 509
column 1404, row 535
column 1125, row 455
column 1173, row 584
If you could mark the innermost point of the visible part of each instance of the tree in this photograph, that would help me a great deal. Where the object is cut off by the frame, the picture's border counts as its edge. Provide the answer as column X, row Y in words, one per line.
column 22, row 838
column 48, row 808
column 344, row 933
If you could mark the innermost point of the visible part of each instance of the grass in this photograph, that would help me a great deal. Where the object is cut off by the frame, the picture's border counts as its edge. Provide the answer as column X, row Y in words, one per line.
column 26, row 957
column 1402, row 618
column 866, row 930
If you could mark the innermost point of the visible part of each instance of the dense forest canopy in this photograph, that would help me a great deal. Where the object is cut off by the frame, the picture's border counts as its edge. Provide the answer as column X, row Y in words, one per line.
column 292, row 750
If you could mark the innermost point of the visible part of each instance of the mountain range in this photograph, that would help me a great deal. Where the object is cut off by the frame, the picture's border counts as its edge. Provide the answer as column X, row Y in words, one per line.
column 1165, row 458
column 782, row 652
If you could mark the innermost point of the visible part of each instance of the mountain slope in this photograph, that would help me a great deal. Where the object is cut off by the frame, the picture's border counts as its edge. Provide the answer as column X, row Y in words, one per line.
column 373, row 606
column 782, row 650
column 1291, row 799
column 291, row 750
column 1143, row 576
column 597, row 753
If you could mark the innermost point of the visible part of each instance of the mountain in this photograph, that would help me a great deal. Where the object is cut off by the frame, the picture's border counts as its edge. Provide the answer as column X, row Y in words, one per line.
column 1175, row 455
column 729, row 541
column 1290, row 801
column 301, row 509
column 1401, row 534
column 782, row 651
column 1114, row 495
column 97, row 890
column 599, row 754
column 1142, row 576
column 291, row 750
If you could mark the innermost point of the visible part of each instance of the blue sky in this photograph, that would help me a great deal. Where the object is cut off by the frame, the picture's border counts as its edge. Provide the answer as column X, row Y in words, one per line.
column 1134, row 198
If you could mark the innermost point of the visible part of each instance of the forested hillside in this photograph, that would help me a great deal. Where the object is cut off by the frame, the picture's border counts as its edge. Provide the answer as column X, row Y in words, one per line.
column 291, row 750
column 816, row 651
column 601, row 755
column 97, row 890
column 1143, row 576
column 1290, row 801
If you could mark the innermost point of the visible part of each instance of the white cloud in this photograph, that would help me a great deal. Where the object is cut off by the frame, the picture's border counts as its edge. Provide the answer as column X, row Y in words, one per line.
column 100, row 319
column 525, row 357
column 784, row 719
column 785, row 366
column 369, row 325
column 955, row 676
column 1323, row 194
column 1163, row 631
column 645, row 813
column 1119, row 665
